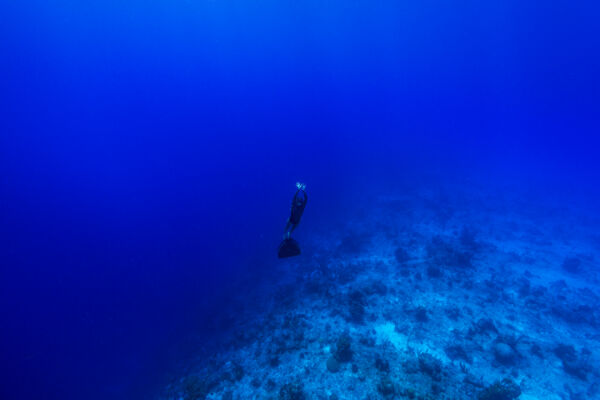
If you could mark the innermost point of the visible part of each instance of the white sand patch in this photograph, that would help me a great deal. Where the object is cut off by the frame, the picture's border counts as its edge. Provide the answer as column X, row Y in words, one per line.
column 386, row 332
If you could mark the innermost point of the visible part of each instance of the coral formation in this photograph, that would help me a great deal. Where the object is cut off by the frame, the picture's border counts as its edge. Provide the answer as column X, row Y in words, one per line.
column 292, row 391
column 435, row 310
column 501, row 390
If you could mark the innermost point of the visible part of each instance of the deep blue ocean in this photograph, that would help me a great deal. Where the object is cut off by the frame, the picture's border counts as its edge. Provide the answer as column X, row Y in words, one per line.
column 149, row 152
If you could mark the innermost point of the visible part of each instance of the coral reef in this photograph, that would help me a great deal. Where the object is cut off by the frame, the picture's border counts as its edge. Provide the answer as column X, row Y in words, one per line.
column 438, row 303
column 292, row 391
column 502, row 390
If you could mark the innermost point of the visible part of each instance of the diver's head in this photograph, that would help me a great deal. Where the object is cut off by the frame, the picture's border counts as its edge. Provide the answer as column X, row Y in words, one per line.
column 300, row 186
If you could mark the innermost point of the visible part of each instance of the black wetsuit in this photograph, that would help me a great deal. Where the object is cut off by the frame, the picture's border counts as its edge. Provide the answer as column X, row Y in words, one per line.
column 297, row 210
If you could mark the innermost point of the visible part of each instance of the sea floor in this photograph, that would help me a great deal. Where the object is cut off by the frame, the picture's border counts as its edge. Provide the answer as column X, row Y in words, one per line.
column 420, row 296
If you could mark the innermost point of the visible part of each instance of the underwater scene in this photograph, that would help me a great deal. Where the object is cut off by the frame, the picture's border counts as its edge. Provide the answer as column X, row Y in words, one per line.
column 300, row 200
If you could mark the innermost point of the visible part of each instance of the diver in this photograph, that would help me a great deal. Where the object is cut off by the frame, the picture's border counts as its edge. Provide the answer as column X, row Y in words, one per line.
column 298, row 204
column 289, row 247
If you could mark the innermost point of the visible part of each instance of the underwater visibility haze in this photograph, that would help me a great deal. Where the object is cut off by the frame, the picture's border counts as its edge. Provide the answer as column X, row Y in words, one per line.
column 149, row 152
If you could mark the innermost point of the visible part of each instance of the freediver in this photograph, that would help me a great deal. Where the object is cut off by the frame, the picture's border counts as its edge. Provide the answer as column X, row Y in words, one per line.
column 298, row 204
column 289, row 247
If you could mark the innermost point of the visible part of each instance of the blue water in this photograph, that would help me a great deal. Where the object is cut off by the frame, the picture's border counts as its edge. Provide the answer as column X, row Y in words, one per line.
column 149, row 151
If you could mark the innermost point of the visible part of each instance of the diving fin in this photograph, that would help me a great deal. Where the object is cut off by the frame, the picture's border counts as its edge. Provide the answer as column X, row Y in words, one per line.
column 288, row 248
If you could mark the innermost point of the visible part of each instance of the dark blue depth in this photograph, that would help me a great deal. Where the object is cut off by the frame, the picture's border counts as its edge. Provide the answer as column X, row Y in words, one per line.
column 149, row 151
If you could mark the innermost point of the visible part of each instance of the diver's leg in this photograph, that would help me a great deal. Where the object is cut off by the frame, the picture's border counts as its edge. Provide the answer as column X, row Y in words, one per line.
column 293, row 227
column 287, row 231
